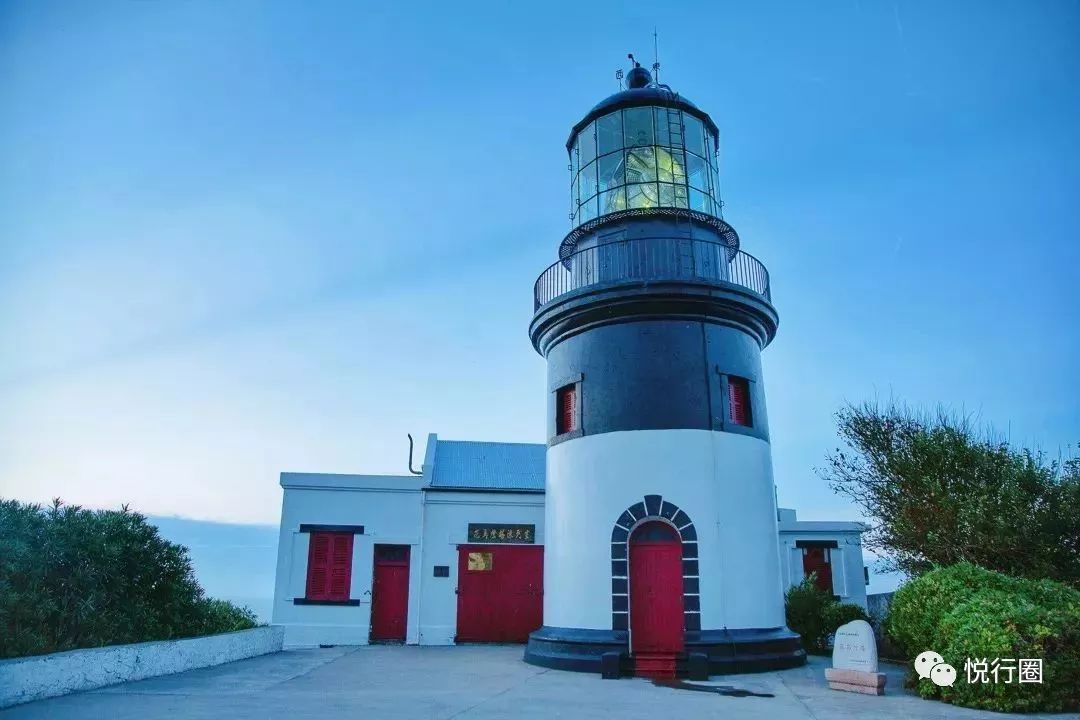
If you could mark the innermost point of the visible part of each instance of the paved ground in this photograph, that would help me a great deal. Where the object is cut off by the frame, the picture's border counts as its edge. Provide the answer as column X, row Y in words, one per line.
column 468, row 682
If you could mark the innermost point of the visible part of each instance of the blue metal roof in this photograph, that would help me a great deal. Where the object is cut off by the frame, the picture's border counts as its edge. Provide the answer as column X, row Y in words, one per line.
column 489, row 465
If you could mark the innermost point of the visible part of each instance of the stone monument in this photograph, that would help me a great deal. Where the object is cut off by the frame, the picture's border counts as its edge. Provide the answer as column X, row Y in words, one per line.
column 855, row 660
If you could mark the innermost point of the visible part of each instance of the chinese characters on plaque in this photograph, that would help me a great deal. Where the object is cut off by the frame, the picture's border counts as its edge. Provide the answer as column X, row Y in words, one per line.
column 494, row 533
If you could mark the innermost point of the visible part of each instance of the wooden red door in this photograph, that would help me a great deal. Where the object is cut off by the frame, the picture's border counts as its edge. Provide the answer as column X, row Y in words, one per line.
column 816, row 560
column 656, row 590
column 390, row 593
column 500, row 592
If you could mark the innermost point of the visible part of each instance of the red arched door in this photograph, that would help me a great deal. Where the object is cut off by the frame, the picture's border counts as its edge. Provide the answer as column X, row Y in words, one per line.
column 656, row 590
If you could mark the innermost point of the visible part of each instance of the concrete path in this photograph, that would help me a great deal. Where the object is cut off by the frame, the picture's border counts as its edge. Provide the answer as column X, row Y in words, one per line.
column 475, row 682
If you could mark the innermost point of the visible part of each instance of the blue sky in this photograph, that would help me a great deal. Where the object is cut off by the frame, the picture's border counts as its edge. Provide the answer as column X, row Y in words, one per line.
column 246, row 237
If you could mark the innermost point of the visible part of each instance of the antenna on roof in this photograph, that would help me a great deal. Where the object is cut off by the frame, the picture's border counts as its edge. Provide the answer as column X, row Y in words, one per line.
column 619, row 77
column 656, row 56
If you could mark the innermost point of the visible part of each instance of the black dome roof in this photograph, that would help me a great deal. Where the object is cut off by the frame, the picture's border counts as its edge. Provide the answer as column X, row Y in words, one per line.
column 661, row 95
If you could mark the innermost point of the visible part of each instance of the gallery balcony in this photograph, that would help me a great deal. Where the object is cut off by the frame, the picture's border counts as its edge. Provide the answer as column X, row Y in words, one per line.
column 651, row 260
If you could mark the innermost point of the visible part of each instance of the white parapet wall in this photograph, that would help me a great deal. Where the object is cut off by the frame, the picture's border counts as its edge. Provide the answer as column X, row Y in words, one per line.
column 41, row 676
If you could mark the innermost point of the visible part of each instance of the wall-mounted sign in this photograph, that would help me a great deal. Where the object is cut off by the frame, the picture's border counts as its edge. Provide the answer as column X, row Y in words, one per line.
column 496, row 533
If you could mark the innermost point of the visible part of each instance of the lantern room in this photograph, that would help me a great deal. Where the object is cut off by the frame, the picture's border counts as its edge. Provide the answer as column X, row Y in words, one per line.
column 643, row 148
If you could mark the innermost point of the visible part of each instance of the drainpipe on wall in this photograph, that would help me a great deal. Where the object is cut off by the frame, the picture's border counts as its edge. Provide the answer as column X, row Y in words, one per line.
column 419, row 552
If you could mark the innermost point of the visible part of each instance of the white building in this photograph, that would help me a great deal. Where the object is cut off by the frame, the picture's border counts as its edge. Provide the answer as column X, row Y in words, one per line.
column 406, row 575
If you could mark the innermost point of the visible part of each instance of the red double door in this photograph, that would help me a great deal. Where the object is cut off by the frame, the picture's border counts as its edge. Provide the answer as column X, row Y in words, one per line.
column 656, row 590
column 390, row 593
column 816, row 560
column 500, row 592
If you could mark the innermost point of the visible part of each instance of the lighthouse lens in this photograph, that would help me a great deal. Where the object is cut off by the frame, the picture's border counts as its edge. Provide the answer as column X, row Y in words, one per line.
column 642, row 158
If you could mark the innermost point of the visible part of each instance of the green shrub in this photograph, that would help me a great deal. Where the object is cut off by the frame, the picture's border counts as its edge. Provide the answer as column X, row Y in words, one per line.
column 73, row 578
column 837, row 614
column 219, row 616
column 815, row 615
column 968, row 613
column 919, row 605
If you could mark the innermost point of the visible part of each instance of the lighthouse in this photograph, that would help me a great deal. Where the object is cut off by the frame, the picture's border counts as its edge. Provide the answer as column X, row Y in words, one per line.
column 661, row 552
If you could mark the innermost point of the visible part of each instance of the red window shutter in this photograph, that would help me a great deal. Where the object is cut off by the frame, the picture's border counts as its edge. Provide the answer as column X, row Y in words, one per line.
column 566, row 402
column 329, row 572
column 318, row 572
column 738, row 401
column 341, row 566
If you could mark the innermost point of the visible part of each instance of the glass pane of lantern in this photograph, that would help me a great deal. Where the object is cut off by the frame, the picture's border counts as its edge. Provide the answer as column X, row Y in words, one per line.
column 609, row 133
column 587, row 181
column 637, row 127
column 695, row 139
column 669, row 165
column 611, row 171
column 680, row 196
column 663, row 134
column 587, row 210
column 644, row 195
column 698, row 171
column 641, row 165
column 697, row 200
column 667, row 195
column 612, row 201
column 587, row 144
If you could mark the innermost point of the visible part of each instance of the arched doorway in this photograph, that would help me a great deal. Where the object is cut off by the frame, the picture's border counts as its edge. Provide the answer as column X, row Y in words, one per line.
column 656, row 597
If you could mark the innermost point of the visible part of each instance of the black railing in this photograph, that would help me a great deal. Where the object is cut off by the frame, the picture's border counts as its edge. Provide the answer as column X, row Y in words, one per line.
column 645, row 259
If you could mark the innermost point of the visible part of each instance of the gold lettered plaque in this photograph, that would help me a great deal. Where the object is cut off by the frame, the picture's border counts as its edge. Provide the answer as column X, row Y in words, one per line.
column 502, row 533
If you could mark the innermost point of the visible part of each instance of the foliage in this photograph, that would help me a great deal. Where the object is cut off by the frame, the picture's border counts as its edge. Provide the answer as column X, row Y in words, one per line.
column 815, row 615
column 969, row 613
column 220, row 616
column 73, row 578
column 938, row 493
column 919, row 605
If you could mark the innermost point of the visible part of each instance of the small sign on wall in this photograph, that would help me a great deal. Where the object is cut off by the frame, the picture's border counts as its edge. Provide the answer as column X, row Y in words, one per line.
column 500, row 533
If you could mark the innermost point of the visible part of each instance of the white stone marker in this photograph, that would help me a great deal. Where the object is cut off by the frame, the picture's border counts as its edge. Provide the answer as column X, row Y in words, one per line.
column 855, row 660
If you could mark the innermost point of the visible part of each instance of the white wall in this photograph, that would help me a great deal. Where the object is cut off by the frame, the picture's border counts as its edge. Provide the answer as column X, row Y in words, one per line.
column 446, row 523
column 723, row 481
column 43, row 676
column 846, row 560
column 389, row 508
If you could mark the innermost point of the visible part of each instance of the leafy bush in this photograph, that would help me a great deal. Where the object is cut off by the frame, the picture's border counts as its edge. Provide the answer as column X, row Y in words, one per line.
column 919, row 605
column 73, row 578
column 837, row 614
column 815, row 615
column 219, row 616
column 968, row 613
column 939, row 491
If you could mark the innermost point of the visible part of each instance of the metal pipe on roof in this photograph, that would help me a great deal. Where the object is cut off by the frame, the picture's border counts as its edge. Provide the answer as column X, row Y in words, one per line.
column 414, row 472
